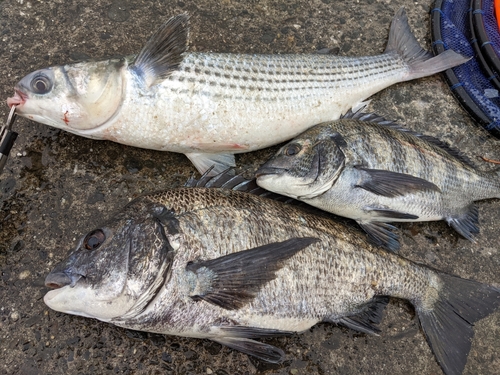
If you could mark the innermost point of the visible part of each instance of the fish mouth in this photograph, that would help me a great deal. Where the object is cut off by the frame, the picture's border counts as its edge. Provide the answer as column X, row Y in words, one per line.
column 266, row 171
column 57, row 280
column 18, row 99
column 51, row 295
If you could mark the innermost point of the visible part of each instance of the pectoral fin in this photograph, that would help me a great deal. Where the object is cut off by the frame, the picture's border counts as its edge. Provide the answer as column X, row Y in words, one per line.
column 254, row 348
column 233, row 280
column 162, row 54
column 217, row 162
column 393, row 184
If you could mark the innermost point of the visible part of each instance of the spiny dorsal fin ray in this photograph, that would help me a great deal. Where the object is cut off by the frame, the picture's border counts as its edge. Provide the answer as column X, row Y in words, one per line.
column 376, row 119
column 162, row 53
column 228, row 180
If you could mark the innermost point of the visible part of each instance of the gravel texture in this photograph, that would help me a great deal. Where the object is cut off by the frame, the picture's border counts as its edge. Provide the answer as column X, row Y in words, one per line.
column 57, row 186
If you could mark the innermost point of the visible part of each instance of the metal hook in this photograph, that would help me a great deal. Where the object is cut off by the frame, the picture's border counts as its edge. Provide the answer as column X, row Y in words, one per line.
column 7, row 137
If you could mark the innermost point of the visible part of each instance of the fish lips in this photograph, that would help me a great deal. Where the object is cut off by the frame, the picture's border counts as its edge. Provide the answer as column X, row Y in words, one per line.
column 267, row 171
column 18, row 99
column 274, row 179
column 56, row 280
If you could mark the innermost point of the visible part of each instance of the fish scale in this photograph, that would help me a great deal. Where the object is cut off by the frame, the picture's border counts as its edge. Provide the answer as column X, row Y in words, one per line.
column 211, row 106
column 287, row 222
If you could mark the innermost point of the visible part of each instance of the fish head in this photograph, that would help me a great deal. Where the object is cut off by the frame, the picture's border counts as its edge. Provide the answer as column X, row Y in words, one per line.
column 75, row 97
column 307, row 166
column 115, row 269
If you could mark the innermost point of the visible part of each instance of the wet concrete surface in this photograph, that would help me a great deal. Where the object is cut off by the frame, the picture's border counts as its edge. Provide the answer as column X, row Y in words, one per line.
column 57, row 186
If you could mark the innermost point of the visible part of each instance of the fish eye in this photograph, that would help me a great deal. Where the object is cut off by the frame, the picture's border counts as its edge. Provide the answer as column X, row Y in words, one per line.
column 41, row 84
column 292, row 149
column 94, row 239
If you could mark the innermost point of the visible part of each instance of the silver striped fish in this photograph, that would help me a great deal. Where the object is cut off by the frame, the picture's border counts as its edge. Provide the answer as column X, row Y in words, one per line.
column 211, row 106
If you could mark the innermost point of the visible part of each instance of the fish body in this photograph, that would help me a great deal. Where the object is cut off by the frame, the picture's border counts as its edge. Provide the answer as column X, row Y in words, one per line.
column 168, row 264
column 375, row 172
column 211, row 106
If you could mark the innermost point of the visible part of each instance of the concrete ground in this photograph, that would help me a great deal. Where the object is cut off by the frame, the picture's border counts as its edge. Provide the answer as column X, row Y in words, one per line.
column 57, row 186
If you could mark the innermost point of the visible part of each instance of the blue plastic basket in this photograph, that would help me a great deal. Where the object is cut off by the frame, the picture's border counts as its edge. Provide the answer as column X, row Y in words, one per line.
column 475, row 86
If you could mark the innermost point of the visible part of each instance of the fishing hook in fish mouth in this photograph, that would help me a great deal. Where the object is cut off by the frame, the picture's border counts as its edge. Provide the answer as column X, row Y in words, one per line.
column 7, row 137
column 19, row 98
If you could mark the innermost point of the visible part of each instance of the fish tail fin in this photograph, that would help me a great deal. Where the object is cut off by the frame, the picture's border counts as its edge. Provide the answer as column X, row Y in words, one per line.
column 420, row 62
column 493, row 178
column 447, row 323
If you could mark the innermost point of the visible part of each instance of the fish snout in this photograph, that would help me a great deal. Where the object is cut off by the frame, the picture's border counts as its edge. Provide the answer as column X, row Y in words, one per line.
column 56, row 280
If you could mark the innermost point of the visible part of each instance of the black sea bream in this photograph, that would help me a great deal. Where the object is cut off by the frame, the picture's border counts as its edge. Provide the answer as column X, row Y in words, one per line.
column 211, row 106
column 231, row 267
column 374, row 171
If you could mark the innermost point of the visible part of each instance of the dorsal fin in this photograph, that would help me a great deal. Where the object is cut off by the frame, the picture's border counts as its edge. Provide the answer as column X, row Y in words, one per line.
column 374, row 118
column 227, row 180
column 163, row 51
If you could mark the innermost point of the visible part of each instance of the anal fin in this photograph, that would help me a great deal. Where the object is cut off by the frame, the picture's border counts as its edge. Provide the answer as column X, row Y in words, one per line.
column 370, row 316
column 218, row 162
column 381, row 234
column 466, row 224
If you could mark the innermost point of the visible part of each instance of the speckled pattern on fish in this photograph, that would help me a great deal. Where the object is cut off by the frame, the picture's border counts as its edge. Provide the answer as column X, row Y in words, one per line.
column 230, row 266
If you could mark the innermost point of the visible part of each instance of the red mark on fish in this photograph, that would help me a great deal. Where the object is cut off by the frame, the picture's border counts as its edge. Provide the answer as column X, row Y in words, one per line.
column 65, row 118
column 237, row 146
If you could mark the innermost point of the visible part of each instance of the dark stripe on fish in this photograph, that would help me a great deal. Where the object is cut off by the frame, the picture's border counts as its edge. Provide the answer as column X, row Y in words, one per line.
column 166, row 265
column 67, row 80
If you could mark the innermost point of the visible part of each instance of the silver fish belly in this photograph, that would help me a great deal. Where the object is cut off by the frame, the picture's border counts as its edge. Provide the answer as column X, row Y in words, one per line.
column 375, row 172
column 166, row 264
column 211, row 106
